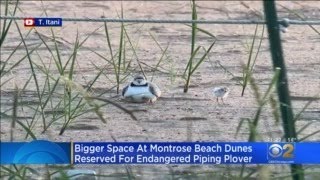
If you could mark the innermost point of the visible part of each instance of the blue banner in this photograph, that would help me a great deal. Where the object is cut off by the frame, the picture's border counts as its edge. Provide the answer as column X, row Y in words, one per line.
column 45, row 152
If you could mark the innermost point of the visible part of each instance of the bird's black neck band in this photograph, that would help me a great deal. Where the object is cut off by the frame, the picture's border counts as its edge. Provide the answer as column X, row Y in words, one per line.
column 134, row 85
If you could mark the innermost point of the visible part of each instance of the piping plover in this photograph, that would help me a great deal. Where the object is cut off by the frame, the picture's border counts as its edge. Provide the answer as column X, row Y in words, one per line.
column 140, row 91
column 220, row 92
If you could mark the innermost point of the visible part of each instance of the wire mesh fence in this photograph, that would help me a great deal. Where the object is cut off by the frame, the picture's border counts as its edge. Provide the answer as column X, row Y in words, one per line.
column 179, row 21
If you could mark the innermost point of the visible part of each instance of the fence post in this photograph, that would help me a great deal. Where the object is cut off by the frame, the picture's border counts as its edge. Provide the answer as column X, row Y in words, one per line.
column 282, row 84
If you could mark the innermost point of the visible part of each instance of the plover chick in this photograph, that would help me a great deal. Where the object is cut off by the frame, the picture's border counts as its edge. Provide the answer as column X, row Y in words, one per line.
column 141, row 91
column 220, row 92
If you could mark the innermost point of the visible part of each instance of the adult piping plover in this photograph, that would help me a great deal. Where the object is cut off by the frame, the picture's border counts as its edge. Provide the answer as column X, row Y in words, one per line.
column 140, row 91
column 220, row 92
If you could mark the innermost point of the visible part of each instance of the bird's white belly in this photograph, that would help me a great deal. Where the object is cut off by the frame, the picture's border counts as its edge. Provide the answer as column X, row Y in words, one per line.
column 138, row 94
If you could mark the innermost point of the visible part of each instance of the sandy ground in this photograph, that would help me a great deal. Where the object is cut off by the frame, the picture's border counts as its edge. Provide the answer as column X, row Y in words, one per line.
column 176, row 116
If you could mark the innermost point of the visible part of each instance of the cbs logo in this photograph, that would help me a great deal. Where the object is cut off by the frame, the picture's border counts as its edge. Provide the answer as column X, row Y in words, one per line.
column 283, row 150
column 29, row 22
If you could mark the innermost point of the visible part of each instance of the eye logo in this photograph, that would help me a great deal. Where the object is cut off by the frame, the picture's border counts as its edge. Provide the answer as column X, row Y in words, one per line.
column 281, row 151
column 275, row 150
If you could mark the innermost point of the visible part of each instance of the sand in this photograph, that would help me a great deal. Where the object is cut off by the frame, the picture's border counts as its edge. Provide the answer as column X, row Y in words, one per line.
column 176, row 116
